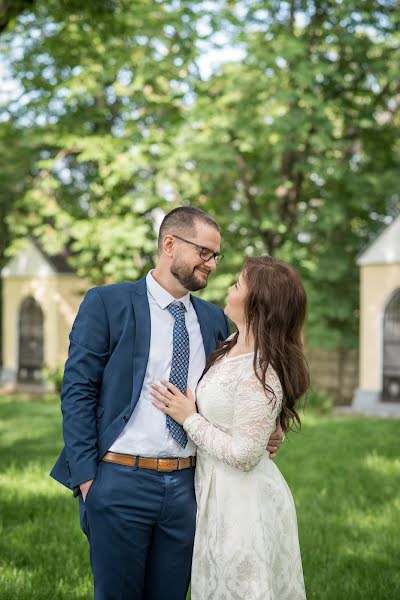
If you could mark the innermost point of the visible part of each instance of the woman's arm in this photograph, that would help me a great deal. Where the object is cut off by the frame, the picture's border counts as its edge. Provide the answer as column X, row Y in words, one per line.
column 253, row 422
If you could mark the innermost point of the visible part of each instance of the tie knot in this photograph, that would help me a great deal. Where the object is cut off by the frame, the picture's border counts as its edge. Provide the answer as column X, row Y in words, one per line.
column 177, row 309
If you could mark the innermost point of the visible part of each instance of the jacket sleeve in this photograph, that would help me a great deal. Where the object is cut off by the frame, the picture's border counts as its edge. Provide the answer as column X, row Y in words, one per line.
column 87, row 357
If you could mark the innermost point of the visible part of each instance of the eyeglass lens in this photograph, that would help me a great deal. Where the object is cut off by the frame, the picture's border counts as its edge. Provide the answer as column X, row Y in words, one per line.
column 208, row 255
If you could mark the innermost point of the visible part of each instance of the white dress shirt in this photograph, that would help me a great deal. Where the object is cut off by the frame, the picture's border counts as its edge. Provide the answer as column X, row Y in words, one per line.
column 146, row 433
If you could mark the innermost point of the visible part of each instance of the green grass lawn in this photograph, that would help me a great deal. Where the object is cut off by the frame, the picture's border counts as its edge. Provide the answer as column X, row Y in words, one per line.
column 344, row 473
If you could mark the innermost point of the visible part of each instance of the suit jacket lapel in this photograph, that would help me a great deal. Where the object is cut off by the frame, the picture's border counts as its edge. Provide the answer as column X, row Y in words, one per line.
column 141, row 348
column 206, row 329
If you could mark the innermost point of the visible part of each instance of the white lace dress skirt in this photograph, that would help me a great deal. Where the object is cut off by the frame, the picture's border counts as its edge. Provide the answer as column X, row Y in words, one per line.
column 246, row 543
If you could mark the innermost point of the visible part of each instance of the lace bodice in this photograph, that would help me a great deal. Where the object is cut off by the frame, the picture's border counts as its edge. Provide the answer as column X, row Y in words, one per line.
column 236, row 417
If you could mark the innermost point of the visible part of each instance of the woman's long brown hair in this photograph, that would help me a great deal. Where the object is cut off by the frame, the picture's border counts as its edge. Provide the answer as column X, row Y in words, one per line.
column 275, row 311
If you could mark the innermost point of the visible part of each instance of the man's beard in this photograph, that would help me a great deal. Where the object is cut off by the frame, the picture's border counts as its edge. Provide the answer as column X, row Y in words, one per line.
column 187, row 277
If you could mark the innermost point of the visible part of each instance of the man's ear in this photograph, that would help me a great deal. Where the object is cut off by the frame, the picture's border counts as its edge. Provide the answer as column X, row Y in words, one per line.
column 168, row 244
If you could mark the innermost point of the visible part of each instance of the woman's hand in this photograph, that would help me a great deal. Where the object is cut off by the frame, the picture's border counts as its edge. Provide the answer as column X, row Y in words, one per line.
column 172, row 402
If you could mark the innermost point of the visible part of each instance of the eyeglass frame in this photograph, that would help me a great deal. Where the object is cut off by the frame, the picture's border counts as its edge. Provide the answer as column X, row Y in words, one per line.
column 217, row 256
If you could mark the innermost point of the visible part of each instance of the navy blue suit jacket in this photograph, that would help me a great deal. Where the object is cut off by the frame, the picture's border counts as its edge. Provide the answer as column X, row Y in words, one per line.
column 103, row 377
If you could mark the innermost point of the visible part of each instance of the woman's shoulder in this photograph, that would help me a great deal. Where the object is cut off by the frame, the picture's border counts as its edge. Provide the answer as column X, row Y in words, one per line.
column 273, row 379
column 249, row 378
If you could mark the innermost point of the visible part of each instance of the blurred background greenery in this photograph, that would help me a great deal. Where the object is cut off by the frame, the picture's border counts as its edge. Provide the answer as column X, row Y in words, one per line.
column 278, row 118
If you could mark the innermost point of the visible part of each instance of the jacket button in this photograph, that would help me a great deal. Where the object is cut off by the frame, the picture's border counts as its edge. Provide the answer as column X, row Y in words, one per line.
column 125, row 418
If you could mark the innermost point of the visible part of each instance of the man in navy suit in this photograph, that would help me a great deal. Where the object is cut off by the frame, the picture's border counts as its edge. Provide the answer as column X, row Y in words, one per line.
column 131, row 468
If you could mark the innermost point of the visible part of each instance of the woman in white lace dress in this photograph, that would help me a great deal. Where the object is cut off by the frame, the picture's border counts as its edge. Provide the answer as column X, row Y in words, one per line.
column 246, row 543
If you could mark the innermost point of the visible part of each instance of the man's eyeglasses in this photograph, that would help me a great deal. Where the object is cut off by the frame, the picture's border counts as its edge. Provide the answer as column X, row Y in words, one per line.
column 205, row 253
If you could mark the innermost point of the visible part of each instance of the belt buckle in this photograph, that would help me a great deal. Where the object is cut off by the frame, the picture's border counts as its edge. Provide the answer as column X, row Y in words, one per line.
column 158, row 464
column 179, row 463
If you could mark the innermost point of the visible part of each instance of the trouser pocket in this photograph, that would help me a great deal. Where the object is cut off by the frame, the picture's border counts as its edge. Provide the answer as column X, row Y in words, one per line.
column 83, row 517
column 84, row 504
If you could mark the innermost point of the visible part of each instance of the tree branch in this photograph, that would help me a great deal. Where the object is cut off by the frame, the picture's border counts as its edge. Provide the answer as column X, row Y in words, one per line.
column 10, row 9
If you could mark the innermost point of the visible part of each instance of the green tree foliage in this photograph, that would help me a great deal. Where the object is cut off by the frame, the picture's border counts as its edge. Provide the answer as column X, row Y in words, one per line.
column 9, row 10
column 293, row 147
column 102, row 89
column 296, row 147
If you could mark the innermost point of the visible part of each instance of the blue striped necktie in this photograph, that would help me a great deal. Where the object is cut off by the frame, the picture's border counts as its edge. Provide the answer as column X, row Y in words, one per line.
column 179, row 364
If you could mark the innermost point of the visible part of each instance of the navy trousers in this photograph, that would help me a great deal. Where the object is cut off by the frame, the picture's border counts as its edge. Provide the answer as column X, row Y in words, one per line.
column 140, row 525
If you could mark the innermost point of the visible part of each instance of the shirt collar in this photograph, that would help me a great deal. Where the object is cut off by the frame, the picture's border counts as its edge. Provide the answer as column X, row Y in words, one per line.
column 160, row 294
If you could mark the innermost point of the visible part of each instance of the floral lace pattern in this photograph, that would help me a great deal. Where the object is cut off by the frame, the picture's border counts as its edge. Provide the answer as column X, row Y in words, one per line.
column 246, row 544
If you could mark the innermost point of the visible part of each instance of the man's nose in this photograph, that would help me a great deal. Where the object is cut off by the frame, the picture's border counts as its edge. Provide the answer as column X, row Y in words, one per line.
column 211, row 263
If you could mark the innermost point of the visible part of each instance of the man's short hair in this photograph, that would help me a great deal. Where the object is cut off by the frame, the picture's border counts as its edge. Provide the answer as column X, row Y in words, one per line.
column 183, row 220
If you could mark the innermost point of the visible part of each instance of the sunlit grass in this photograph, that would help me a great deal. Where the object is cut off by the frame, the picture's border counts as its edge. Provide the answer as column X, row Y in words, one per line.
column 345, row 477
column 43, row 554
column 344, row 473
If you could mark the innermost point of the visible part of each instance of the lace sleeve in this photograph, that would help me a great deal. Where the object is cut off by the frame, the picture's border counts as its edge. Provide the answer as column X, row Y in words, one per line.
column 253, row 422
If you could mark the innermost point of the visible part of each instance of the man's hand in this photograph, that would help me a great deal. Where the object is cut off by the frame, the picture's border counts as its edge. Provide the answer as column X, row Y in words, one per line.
column 85, row 487
column 275, row 440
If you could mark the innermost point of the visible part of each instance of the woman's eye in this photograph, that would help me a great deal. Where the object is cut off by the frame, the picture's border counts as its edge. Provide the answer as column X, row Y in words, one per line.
column 236, row 285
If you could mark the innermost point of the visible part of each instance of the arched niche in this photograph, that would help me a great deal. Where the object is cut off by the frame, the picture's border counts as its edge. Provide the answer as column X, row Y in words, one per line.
column 391, row 350
column 30, row 341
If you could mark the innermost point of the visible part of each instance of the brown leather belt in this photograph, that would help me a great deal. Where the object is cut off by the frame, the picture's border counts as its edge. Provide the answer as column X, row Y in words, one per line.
column 157, row 464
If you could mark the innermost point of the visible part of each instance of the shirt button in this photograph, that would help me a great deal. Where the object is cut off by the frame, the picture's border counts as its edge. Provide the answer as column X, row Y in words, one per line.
column 125, row 418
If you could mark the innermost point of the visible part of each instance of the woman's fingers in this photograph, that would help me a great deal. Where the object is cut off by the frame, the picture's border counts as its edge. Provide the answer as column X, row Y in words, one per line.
column 171, row 387
column 161, row 398
column 160, row 407
column 165, row 393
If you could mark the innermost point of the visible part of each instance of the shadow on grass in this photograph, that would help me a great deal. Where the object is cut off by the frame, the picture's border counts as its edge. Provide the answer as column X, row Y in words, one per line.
column 44, row 553
column 38, row 449
column 344, row 474
column 29, row 432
